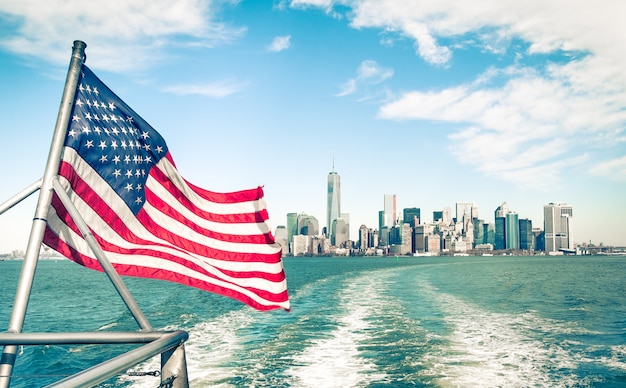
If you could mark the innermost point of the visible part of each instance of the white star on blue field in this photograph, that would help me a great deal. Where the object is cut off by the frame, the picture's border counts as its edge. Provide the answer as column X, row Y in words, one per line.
column 436, row 102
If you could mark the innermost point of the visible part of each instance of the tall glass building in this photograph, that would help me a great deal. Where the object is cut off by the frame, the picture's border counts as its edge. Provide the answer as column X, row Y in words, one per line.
column 389, row 212
column 512, row 230
column 333, row 202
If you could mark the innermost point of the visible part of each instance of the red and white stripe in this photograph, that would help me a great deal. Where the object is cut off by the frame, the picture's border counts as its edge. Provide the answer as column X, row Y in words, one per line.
column 218, row 242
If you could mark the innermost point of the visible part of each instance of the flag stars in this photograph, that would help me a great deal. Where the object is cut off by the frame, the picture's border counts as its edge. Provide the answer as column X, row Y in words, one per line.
column 129, row 174
column 102, row 145
column 129, row 187
column 111, row 106
column 138, row 200
column 104, row 159
column 75, row 118
column 117, row 173
column 116, row 159
column 89, row 144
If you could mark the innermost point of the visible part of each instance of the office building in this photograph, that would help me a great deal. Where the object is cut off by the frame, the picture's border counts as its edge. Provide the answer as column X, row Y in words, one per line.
column 557, row 220
column 333, row 201
column 281, row 237
column 389, row 211
column 512, row 231
column 308, row 225
column 411, row 216
column 526, row 235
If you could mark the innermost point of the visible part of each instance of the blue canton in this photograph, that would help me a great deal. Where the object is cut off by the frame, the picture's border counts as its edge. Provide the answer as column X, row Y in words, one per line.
column 116, row 142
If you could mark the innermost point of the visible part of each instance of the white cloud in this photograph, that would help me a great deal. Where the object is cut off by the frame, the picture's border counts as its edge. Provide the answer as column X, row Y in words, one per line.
column 518, row 123
column 531, row 122
column 120, row 35
column 368, row 73
column 614, row 169
column 280, row 43
column 216, row 89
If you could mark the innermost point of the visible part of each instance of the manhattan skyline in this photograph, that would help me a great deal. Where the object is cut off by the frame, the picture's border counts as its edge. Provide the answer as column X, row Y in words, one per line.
column 499, row 102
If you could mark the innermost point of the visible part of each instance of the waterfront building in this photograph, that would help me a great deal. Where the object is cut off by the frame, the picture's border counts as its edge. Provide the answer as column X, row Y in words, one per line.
column 339, row 233
column 292, row 227
column 389, row 210
column 300, row 244
column 308, row 225
column 479, row 231
column 411, row 216
column 500, row 235
column 446, row 216
column 364, row 238
column 539, row 238
column 420, row 238
column 526, row 236
column 374, row 238
column 512, row 231
column 437, row 216
column 333, row 201
column 501, row 210
column 346, row 219
column 406, row 239
column 500, row 224
column 433, row 243
column 557, row 218
column 282, row 237
column 383, row 237
column 465, row 213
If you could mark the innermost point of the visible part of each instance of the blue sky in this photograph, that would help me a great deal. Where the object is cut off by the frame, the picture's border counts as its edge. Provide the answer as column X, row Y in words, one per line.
column 436, row 102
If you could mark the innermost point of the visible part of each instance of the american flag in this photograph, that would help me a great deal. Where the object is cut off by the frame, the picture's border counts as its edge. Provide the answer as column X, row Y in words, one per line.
column 148, row 219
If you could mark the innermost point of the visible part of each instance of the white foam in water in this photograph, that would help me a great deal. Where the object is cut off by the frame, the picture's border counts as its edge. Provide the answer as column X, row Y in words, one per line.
column 336, row 361
column 211, row 344
column 490, row 349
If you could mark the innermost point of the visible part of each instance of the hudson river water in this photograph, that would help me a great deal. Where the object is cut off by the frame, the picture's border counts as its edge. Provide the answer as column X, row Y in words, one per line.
column 356, row 322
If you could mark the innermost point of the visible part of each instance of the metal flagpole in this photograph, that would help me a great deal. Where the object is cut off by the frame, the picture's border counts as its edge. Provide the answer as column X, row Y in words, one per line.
column 115, row 278
column 24, row 286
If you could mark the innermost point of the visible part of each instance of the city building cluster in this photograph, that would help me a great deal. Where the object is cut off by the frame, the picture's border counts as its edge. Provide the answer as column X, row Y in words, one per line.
column 462, row 232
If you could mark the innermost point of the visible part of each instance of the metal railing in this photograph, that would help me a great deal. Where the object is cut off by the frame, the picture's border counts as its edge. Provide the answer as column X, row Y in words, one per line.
column 169, row 344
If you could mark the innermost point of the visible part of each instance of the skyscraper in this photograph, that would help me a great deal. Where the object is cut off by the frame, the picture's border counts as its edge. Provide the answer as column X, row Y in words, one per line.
column 333, row 201
column 557, row 218
column 411, row 216
column 500, row 221
column 389, row 212
column 526, row 236
column 512, row 230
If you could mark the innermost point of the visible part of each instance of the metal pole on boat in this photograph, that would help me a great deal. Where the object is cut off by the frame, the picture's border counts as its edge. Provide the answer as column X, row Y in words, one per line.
column 115, row 278
column 24, row 286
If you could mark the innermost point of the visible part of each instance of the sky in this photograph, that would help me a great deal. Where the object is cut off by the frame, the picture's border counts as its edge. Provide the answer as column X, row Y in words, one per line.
column 437, row 102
